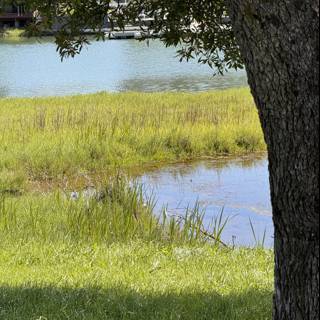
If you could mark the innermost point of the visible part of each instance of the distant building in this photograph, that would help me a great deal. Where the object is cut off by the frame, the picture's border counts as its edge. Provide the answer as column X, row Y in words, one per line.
column 14, row 16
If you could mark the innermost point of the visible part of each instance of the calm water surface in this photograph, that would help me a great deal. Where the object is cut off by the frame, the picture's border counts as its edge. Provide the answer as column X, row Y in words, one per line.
column 33, row 68
column 240, row 185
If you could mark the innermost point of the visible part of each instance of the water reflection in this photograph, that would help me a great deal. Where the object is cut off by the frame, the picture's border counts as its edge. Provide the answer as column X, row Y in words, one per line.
column 180, row 83
column 240, row 185
column 33, row 68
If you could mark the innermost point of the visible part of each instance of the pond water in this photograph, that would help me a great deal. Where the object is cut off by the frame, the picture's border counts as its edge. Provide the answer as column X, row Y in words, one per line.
column 240, row 186
column 33, row 68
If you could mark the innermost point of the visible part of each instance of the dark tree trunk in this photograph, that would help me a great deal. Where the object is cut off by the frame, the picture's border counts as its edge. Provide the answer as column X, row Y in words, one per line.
column 279, row 42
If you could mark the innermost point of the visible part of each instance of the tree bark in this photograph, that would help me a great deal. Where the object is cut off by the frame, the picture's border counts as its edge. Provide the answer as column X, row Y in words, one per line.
column 279, row 42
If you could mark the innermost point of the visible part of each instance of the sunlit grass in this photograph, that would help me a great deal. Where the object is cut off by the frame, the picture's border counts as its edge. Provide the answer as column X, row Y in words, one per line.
column 46, row 139
column 63, row 258
column 140, row 281
column 12, row 34
column 118, row 212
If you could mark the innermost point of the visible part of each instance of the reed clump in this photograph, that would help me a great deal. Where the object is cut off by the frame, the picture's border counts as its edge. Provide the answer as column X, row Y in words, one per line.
column 118, row 212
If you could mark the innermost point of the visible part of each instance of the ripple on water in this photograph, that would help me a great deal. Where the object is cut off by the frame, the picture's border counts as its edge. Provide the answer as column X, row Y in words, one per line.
column 32, row 68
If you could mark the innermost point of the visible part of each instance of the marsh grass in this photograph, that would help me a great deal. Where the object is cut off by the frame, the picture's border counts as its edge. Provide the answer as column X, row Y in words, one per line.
column 45, row 140
column 119, row 212
column 259, row 242
column 103, row 253
column 121, row 215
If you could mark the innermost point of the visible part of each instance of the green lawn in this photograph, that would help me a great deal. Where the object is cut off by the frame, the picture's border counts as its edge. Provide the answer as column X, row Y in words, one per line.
column 134, row 281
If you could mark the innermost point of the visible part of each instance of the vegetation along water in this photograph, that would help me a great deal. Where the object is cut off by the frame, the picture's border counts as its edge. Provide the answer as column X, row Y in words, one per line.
column 277, row 43
column 79, row 240
column 49, row 139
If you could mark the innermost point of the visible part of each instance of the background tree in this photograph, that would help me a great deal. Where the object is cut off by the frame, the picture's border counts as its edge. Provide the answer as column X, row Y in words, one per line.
column 278, row 42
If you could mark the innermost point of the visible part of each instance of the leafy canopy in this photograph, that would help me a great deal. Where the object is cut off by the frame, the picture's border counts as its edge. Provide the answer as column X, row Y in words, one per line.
column 198, row 28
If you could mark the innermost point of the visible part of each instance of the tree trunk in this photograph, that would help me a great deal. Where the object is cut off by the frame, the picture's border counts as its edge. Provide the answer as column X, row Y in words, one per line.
column 279, row 42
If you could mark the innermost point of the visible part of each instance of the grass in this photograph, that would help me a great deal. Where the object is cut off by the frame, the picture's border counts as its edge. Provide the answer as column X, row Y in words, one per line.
column 109, row 257
column 57, row 139
column 259, row 243
column 102, row 253
column 12, row 34
column 134, row 281
column 119, row 212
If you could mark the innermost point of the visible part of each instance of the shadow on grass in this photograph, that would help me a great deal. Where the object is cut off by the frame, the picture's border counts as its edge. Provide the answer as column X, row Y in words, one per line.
column 51, row 303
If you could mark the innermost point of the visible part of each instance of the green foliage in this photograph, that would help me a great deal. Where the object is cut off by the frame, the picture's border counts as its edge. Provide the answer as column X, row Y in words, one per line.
column 201, row 29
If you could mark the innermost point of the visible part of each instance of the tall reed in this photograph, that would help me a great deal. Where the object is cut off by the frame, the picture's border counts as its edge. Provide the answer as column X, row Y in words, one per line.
column 118, row 212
